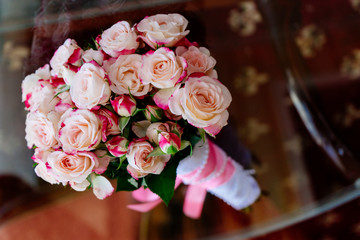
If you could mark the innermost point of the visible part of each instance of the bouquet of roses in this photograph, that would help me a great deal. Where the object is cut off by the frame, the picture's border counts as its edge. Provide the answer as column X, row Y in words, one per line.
column 131, row 107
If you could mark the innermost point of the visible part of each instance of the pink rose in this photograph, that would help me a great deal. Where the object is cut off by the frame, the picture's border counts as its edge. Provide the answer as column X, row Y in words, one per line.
column 203, row 102
column 162, row 29
column 110, row 120
column 162, row 68
column 119, row 39
column 41, row 130
column 72, row 167
column 79, row 130
column 37, row 91
column 89, row 88
column 117, row 146
column 198, row 59
column 124, row 76
column 68, row 53
column 124, row 105
column 139, row 165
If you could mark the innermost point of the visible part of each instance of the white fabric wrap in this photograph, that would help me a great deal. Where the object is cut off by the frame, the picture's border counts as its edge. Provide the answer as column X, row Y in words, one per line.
column 239, row 192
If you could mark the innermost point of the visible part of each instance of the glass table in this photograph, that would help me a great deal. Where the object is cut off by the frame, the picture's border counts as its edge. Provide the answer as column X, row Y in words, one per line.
column 293, row 70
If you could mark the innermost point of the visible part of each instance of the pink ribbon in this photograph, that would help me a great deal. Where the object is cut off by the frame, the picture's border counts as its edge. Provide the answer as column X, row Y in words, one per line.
column 149, row 199
column 217, row 170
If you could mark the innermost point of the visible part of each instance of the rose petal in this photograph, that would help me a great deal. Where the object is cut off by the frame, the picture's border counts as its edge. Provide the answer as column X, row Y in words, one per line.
column 215, row 129
column 102, row 187
column 161, row 98
column 80, row 186
column 175, row 103
column 104, row 161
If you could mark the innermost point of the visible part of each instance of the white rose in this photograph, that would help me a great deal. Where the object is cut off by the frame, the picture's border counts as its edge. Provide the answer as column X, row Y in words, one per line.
column 37, row 91
column 119, row 39
column 162, row 68
column 31, row 81
column 65, row 102
column 41, row 130
column 124, row 76
column 93, row 55
column 203, row 102
column 79, row 130
column 163, row 29
column 68, row 53
column 42, row 169
column 89, row 88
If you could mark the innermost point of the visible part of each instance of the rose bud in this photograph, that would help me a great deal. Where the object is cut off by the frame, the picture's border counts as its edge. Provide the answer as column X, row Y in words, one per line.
column 169, row 143
column 175, row 128
column 111, row 120
column 155, row 129
column 117, row 146
column 153, row 113
column 124, row 105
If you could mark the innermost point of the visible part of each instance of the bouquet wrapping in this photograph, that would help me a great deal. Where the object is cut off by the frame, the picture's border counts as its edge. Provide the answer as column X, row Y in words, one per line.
column 135, row 105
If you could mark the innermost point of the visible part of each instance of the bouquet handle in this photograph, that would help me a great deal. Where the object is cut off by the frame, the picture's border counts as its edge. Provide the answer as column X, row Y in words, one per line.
column 209, row 169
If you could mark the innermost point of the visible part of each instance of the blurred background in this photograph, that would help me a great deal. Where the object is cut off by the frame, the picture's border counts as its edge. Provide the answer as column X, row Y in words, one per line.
column 293, row 68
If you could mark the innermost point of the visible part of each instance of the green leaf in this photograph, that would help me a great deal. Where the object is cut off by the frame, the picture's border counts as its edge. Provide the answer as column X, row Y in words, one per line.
column 122, row 159
column 164, row 183
column 89, row 180
column 131, row 96
column 123, row 121
column 138, row 110
column 110, row 108
column 156, row 152
column 143, row 183
column 126, row 183
column 202, row 134
column 35, row 164
column 172, row 150
column 194, row 139
column 62, row 89
column 101, row 146
column 185, row 144
column 133, row 182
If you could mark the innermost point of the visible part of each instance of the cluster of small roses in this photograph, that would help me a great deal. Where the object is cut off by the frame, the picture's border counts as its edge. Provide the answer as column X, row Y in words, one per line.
column 121, row 100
